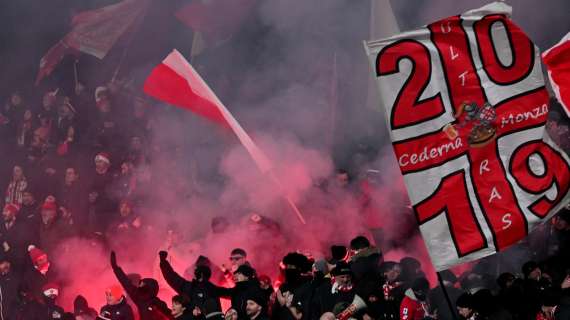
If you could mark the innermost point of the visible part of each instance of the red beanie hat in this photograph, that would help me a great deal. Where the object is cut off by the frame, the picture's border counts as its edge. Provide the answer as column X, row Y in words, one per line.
column 50, row 289
column 12, row 207
column 116, row 291
column 103, row 156
column 49, row 203
column 35, row 253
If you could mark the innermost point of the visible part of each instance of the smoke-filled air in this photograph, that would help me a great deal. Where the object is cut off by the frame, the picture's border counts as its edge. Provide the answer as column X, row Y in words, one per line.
column 128, row 183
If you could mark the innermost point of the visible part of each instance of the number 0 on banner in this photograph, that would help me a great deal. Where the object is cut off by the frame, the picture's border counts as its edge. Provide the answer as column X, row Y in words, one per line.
column 466, row 105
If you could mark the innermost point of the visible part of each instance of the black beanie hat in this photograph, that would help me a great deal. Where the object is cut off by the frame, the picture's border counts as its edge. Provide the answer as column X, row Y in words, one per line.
column 257, row 297
column 528, row 267
column 465, row 301
column 341, row 268
column 246, row 270
column 338, row 253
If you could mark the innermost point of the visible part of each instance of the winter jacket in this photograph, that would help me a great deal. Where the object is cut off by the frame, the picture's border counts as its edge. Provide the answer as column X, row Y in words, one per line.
column 150, row 307
column 29, row 309
column 120, row 311
column 438, row 301
column 17, row 239
column 102, row 210
column 326, row 297
column 386, row 304
column 365, row 264
column 31, row 214
column 411, row 308
column 53, row 312
column 74, row 197
column 303, row 293
column 239, row 294
column 198, row 292
column 187, row 315
column 52, row 234
column 9, row 290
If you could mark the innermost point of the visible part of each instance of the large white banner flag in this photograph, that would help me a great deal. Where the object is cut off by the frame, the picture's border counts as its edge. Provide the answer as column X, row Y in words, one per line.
column 466, row 106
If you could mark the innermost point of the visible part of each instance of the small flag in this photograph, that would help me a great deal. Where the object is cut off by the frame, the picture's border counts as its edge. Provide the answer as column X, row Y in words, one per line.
column 557, row 60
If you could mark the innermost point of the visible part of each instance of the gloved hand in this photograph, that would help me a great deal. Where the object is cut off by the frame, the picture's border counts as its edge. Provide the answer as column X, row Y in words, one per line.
column 113, row 259
column 163, row 255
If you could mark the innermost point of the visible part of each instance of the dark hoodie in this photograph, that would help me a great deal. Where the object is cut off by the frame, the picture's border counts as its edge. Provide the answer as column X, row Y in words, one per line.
column 198, row 291
column 150, row 307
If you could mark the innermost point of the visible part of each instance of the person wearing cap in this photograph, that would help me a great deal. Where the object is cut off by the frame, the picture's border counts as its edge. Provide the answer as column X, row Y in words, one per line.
column 466, row 307
column 117, row 307
column 40, row 273
column 238, row 256
column 101, row 205
column 144, row 296
column 256, row 306
column 199, row 290
column 245, row 282
column 341, row 289
column 293, row 297
column 53, row 228
column 534, row 285
column 364, row 260
column 415, row 305
column 50, row 295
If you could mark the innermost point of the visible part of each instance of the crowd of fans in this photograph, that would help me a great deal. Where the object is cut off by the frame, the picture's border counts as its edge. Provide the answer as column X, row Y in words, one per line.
column 78, row 166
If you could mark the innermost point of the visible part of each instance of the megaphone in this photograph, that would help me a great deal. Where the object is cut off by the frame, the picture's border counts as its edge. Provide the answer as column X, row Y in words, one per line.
column 356, row 305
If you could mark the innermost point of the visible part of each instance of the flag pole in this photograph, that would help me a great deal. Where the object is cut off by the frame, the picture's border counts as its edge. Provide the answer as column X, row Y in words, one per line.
column 123, row 55
column 287, row 198
column 446, row 295
column 333, row 102
column 128, row 44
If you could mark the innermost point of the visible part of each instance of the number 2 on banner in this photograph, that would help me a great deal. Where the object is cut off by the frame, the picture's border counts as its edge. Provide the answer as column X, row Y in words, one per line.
column 407, row 109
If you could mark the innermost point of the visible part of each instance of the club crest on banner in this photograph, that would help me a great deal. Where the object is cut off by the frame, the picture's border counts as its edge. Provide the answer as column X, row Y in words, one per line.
column 466, row 106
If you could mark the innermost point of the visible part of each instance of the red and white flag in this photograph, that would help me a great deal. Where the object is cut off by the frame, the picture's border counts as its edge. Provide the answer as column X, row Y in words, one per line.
column 466, row 107
column 557, row 60
column 216, row 20
column 94, row 32
column 175, row 82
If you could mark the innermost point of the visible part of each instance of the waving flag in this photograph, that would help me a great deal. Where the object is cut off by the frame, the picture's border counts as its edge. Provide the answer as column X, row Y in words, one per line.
column 557, row 60
column 466, row 104
column 176, row 82
column 94, row 32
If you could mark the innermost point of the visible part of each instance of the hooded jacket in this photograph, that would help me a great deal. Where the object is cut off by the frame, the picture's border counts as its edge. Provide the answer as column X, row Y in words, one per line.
column 198, row 291
column 150, row 307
